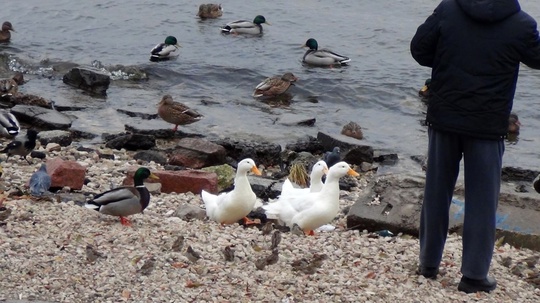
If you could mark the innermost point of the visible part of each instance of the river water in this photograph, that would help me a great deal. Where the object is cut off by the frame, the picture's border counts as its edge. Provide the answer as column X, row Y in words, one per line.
column 215, row 74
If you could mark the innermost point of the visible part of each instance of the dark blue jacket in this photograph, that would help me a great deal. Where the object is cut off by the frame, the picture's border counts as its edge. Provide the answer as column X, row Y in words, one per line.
column 474, row 48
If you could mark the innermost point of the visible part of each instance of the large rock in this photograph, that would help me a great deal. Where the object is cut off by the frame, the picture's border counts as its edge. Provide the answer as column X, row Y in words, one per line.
column 225, row 174
column 351, row 150
column 197, row 153
column 394, row 202
column 66, row 173
column 89, row 79
column 263, row 153
column 180, row 181
column 27, row 99
column 131, row 141
column 61, row 137
column 41, row 117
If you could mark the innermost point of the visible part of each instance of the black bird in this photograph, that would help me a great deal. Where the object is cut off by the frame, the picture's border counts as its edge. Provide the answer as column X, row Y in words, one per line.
column 332, row 157
column 21, row 147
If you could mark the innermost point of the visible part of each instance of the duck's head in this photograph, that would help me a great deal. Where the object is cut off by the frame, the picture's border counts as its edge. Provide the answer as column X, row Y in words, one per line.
column 341, row 169
column 143, row 173
column 247, row 165
column 289, row 77
column 311, row 43
column 6, row 26
column 166, row 100
column 320, row 167
column 171, row 40
column 513, row 124
column 260, row 20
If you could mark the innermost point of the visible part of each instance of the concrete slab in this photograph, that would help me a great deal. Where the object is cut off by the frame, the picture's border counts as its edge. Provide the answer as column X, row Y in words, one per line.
column 394, row 202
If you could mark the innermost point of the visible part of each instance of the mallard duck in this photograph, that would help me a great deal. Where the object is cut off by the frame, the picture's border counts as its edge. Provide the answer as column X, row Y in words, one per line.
column 275, row 85
column 9, row 125
column 322, row 57
column 126, row 200
column 21, row 147
column 353, row 130
column 314, row 209
column 166, row 50
column 319, row 169
column 5, row 35
column 40, row 182
column 424, row 91
column 229, row 207
column 245, row 27
column 513, row 123
column 210, row 11
column 8, row 87
column 176, row 112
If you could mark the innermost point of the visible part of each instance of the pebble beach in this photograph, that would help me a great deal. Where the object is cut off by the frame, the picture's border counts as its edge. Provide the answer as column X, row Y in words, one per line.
column 62, row 252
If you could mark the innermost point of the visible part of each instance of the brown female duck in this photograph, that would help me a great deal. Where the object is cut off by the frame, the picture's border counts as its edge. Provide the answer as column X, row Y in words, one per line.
column 274, row 86
column 5, row 35
column 210, row 11
column 176, row 112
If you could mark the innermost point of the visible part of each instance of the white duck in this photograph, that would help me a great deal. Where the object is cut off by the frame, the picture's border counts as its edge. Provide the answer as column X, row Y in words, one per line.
column 315, row 178
column 314, row 209
column 228, row 208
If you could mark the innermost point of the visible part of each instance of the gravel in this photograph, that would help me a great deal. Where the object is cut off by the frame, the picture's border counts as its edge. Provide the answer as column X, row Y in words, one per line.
column 62, row 252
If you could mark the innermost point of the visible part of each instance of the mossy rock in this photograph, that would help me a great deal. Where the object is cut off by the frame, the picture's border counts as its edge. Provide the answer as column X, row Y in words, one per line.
column 225, row 175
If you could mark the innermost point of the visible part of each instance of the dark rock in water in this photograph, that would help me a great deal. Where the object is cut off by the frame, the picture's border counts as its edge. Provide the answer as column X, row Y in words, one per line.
column 308, row 144
column 389, row 159
column 518, row 174
column 197, row 153
column 89, row 79
column 131, row 142
column 41, row 117
column 61, row 137
column 27, row 99
column 292, row 120
column 151, row 155
column 351, row 151
column 37, row 154
column 263, row 153
column 144, row 116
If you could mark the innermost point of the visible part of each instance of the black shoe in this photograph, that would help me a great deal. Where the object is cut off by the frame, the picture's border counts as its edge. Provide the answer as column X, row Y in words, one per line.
column 471, row 285
column 428, row 272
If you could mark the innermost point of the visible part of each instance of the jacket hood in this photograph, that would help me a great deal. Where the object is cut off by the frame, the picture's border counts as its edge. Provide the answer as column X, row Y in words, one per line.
column 489, row 10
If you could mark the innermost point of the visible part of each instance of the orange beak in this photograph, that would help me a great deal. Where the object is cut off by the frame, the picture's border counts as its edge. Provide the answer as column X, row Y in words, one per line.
column 351, row 172
column 256, row 171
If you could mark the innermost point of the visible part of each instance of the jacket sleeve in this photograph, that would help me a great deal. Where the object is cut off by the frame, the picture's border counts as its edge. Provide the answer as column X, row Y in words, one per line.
column 424, row 42
column 531, row 55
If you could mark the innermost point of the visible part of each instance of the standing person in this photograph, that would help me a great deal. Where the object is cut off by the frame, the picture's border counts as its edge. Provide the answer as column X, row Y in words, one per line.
column 474, row 48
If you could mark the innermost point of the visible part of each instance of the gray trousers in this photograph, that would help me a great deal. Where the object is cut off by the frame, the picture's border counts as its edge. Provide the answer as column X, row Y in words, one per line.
column 482, row 168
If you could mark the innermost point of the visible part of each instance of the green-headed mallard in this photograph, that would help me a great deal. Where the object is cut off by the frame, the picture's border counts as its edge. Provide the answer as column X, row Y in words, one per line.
column 166, row 50
column 424, row 91
column 176, row 112
column 9, row 125
column 245, row 27
column 322, row 57
column 275, row 85
column 126, row 200
column 5, row 35
column 210, row 11
column 229, row 207
column 312, row 210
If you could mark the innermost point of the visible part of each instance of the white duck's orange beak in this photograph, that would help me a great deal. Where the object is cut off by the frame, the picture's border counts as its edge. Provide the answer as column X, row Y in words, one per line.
column 256, row 171
column 325, row 170
column 351, row 172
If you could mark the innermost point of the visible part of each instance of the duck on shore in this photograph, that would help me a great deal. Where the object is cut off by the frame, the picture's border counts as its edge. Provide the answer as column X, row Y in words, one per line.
column 176, row 112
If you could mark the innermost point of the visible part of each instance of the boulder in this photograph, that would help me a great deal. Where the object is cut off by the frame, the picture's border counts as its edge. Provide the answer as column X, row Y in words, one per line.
column 308, row 144
column 66, row 173
column 89, row 79
column 41, row 117
column 61, row 137
column 263, row 153
column 351, row 150
column 131, row 141
column 197, row 153
column 151, row 155
column 27, row 99
column 180, row 181
column 296, row 120
column 188, row 212
column 225, row 174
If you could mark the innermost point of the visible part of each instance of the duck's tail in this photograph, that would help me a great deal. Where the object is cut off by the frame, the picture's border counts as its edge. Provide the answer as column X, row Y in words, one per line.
column 92, row 205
